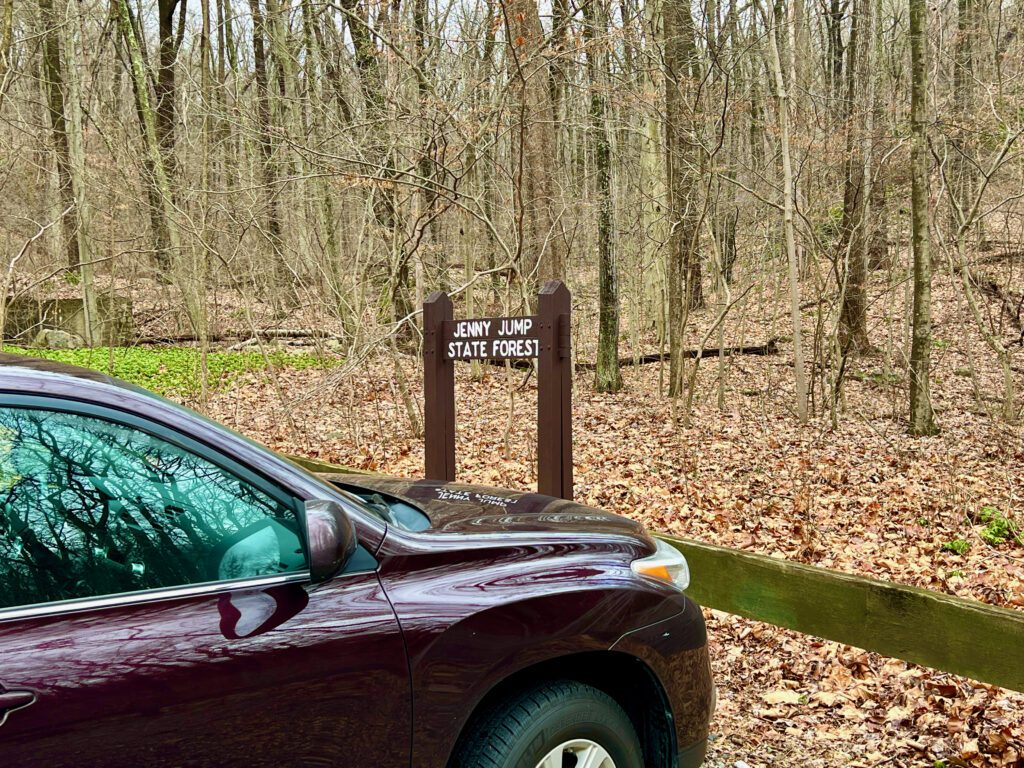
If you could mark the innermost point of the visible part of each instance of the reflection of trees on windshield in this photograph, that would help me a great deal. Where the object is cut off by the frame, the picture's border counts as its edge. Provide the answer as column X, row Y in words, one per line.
column 88, row 507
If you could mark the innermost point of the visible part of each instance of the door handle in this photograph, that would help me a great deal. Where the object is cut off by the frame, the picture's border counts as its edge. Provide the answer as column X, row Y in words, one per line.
column 13, row 700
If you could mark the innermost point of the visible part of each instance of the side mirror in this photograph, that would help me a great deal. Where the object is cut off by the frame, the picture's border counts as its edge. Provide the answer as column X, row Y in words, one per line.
column 332, row 539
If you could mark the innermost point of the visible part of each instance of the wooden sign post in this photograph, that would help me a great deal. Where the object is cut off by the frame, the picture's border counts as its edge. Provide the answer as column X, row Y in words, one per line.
column 544, row 336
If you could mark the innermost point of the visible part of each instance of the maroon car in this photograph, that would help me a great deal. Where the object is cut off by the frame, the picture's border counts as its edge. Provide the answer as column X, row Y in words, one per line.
column 172, row 594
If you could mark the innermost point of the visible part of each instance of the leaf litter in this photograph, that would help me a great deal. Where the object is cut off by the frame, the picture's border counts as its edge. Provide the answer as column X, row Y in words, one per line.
column 859, row 497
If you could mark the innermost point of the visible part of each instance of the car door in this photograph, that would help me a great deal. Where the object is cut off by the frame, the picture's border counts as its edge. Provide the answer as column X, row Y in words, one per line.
column 155, row 609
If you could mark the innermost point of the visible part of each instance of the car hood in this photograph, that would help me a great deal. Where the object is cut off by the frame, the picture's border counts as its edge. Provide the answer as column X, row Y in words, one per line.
column 474, row 509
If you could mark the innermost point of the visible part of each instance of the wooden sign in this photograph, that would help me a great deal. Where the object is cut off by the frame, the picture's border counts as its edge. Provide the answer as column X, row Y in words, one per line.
column 544, row 336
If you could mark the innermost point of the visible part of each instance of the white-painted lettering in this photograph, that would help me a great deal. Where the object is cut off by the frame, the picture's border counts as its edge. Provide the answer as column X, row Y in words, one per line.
column 515, row 326
column 501, row 348
column 471, row 329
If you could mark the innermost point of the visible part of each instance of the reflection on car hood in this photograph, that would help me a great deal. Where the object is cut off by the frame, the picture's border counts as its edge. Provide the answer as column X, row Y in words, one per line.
column 456, row 508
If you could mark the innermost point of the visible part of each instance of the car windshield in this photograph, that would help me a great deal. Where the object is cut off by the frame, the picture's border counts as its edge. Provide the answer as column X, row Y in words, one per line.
column 391, row 508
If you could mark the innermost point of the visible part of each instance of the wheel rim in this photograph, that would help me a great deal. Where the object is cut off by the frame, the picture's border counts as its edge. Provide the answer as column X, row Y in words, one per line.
column 578, row 753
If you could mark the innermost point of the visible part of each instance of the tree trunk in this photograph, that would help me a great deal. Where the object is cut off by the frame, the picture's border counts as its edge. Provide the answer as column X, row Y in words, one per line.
column 6, row 44
column 156, row 180
column 878, row 244
column 154, row 172
column 726, row 220
column 366, row 58
column 853, row 242
column 385, row 209
column 608, row 377
column 196, row 296
column 53, row 74
column 426, row 165
column 836, row 50
column 72, row 67
column 789, row 232
column 264, row 126
column 164, row 88
column 963, row 173
column 683, row 163
column 922, row 420
column 541, row 247
column 289, row 127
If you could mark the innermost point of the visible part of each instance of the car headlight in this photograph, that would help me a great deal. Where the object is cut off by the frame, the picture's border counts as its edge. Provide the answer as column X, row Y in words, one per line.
column 666, row 564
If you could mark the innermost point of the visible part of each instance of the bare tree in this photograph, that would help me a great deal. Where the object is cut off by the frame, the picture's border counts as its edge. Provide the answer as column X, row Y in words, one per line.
column 292, row 163
column 541, row 243
column 608, row 378
column 156, row 178
column 922, row 420
column 852, row 256
column 53, row 73
column 684, row 164
column 772, row 23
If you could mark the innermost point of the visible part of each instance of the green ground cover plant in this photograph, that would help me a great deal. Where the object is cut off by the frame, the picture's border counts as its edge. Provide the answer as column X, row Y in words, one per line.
column 998, row 527
column 176, row 371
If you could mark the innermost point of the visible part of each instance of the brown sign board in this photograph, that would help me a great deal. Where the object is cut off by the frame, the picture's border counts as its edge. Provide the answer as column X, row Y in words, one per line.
column 544, row 336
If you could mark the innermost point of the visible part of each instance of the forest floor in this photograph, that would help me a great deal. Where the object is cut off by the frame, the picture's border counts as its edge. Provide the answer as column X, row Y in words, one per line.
column 857, row 495
column 944, row 512
column 862, row 498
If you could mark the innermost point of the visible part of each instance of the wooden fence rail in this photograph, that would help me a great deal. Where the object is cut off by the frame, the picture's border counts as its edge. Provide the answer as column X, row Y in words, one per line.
column 947, row 633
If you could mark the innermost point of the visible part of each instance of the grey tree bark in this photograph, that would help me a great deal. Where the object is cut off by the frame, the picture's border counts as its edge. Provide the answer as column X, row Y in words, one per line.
column 683, row 161
column 852, row 253
column 963, row 171
column 265, row 130
column 541, row 243
column 53, row 74
column 155, row 177
column 608, row 377
column 922, row 419
column 6, row 45
column 788, row 211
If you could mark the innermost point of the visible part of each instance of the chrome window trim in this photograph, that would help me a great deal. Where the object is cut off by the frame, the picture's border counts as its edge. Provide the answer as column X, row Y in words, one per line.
column 149, row 596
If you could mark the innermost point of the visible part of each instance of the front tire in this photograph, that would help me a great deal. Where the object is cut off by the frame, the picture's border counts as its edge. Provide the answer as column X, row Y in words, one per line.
column 563, row 724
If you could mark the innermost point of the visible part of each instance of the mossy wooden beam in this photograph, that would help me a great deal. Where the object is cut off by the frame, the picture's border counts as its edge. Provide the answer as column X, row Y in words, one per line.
column 315, row 465
column 947, row 633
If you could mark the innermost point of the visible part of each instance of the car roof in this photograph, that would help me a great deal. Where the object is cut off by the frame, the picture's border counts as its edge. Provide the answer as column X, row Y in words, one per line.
column 29, row 375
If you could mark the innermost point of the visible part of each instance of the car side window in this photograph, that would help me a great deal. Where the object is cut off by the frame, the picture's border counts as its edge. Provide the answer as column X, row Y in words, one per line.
column 90, row 507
